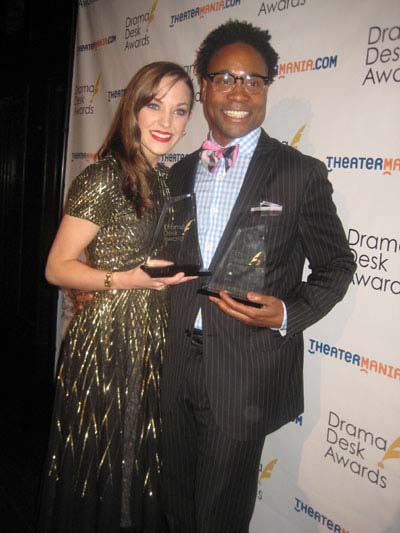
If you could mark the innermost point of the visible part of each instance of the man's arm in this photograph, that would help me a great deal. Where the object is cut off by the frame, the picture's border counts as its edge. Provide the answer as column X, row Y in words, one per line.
column 331, row 262
column 330, row 259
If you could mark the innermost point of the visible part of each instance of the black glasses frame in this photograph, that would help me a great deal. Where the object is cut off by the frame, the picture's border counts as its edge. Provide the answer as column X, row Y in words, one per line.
column 266, row 79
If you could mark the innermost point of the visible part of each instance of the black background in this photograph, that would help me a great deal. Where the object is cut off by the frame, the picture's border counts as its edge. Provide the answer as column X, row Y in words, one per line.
column 35, row 44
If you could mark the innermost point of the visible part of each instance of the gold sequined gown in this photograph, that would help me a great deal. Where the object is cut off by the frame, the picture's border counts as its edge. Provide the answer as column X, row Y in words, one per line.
column 103, row 469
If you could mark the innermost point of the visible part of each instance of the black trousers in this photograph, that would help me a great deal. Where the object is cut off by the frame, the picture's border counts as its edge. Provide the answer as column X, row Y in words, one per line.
column 210, row 480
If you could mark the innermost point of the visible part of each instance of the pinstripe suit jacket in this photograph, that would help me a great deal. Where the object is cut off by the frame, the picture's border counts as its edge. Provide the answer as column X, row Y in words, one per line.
column 254, row 377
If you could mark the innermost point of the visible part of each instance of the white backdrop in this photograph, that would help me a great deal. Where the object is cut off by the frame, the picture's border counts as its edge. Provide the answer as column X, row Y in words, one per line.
column 337, row 98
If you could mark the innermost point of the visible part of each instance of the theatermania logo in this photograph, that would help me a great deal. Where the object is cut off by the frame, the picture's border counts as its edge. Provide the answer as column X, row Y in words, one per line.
column 298, row 66
column 95, row 45
column 354, row 162
column 265, row 473
column 364, row 363
column 318, row 516
column 202, row 11
column 358, row 450
column 90, row 157
column 115, row 94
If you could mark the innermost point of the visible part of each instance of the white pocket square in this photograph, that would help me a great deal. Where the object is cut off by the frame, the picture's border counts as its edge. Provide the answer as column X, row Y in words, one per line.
column 268, row 206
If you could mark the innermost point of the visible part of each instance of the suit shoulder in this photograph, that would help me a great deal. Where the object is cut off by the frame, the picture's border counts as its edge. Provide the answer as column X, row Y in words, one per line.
column 298, row 158
column 185, row 161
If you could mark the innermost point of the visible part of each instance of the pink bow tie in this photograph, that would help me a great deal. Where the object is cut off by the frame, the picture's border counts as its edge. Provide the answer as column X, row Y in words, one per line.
column 211, row 154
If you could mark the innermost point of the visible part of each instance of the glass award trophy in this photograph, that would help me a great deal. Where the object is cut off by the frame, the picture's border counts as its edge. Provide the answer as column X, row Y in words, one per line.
column 175, row 240
column 244, row 265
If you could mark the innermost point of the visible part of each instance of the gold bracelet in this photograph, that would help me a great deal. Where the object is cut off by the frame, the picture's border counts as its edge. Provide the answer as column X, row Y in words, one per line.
column 107, row 279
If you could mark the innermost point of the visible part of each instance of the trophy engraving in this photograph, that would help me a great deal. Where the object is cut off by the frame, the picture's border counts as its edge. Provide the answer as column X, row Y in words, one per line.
column 243, row 266
column 176, row 240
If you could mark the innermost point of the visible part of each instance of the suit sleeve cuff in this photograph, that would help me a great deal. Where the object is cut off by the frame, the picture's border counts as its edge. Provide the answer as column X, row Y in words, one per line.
column 283, row 329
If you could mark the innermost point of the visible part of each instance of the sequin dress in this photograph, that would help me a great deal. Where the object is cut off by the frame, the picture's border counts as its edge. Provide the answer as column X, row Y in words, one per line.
column 103, row 470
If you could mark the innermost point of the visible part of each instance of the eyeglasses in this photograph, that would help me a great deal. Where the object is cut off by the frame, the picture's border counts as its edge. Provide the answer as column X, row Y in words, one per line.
column 224, row 82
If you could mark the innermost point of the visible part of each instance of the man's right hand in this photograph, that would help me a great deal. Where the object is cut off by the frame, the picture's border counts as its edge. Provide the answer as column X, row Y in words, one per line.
column 269, row 315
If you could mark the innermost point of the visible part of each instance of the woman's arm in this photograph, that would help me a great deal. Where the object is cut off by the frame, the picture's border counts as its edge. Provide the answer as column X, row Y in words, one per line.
column 64, row 268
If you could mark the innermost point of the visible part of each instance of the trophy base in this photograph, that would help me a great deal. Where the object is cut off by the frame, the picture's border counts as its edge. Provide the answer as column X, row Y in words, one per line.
column 170, row 270
column 240, row 299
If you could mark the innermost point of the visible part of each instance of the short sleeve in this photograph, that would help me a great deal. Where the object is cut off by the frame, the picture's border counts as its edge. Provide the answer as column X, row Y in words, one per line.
column 90, row 194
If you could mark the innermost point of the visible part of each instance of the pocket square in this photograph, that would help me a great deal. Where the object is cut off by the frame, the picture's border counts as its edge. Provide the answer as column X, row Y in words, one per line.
column 269, row 207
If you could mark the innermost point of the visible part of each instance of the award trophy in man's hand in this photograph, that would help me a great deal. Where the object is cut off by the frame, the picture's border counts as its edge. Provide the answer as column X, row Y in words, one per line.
column 243, row 266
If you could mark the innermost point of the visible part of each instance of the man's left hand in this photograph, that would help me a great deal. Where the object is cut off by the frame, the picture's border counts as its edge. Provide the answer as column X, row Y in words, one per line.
column 270, row 315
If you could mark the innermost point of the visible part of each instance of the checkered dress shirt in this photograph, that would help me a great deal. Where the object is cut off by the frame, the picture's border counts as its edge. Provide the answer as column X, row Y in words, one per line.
column 216, row 195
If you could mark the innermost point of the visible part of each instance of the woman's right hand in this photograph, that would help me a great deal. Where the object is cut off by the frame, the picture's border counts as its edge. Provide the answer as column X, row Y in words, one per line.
column 65, row 269
column 136, row 278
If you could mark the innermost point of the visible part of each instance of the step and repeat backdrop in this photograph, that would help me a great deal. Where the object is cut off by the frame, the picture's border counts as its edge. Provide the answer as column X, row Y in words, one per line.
column 337, row 98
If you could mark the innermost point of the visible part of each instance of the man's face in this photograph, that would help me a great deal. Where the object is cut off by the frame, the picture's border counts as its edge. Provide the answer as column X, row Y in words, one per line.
column 236, row 113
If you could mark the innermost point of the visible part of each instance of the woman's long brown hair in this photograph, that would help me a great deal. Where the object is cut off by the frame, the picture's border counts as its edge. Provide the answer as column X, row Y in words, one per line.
column 123, row 138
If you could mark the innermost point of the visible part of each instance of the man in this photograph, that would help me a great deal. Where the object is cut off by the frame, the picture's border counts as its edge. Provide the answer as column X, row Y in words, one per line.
column 233, row 372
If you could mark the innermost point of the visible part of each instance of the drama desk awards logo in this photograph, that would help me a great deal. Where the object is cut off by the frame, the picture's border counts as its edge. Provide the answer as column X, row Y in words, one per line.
column 137, row 29
column 382, row 57
column 377, row 261
column 278, row 6
column 84, row 97
column 358, row 450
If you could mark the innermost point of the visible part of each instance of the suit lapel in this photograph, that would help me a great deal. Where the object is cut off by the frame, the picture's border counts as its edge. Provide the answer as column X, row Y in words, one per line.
column 260, row 170
column 187, row 175
column 258, row 173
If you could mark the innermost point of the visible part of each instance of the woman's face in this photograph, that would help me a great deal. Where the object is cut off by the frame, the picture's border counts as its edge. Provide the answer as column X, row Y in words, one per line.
column 163, row 120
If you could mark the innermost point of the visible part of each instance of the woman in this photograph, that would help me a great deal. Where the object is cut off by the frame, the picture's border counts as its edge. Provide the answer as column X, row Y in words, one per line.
column 103, row 468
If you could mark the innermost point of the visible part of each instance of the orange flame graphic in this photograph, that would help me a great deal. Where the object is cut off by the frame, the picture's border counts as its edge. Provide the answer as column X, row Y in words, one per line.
column 266, row 473
column 151, row 14
column 96, row 88
column 392, row 453
column 297, row 137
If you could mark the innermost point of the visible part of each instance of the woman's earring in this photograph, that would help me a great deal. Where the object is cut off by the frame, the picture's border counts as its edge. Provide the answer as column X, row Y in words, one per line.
column 183, row 133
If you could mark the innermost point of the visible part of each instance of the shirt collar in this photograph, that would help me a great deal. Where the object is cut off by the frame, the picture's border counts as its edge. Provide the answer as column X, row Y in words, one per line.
column 247, row 143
